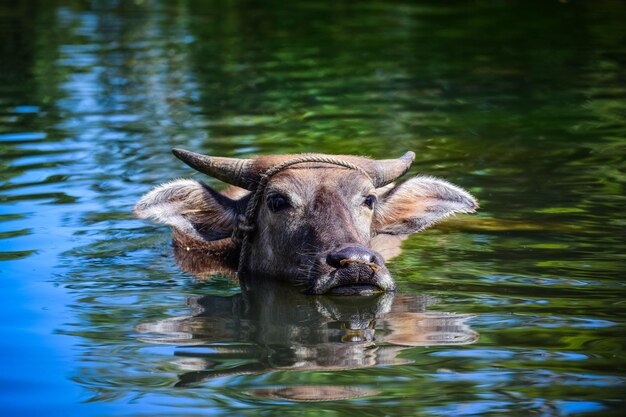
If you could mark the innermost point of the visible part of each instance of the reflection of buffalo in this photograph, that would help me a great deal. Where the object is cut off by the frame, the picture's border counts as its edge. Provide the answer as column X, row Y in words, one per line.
column 277, row 328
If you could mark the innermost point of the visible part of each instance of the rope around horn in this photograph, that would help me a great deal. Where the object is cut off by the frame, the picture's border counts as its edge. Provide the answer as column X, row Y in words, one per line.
column 246, row 223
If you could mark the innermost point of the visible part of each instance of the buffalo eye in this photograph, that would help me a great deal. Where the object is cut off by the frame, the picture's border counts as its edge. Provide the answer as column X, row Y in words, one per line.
column 369, row 201
column 277, row 202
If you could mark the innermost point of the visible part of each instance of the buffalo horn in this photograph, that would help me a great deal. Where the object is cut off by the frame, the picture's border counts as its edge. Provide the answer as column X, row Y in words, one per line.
column 230, row 170
column 243, row 173
column 386, row 171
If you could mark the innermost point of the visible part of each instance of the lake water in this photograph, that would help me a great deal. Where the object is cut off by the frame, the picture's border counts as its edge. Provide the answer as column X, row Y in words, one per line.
column 518, row 310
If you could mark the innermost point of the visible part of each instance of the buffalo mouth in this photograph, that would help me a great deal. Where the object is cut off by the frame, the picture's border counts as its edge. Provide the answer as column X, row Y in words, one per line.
column 353, row 280
column 355, row 289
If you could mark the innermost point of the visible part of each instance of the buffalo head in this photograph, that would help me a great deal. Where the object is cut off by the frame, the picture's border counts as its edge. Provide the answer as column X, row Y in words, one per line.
column 326, row 226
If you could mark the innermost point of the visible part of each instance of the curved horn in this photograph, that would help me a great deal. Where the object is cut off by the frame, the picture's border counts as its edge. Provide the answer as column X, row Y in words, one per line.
column 230, row 170
column 388, row 170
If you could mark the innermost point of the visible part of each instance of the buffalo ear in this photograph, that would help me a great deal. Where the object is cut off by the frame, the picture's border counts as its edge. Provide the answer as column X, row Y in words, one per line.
column 418, row 204
column 190, row 207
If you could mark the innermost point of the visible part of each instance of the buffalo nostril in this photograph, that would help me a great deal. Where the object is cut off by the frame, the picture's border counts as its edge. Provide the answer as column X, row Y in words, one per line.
column 349, row 255
column 334, row 260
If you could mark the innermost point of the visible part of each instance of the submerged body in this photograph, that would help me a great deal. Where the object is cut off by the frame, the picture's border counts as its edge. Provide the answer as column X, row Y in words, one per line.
column 326, row 226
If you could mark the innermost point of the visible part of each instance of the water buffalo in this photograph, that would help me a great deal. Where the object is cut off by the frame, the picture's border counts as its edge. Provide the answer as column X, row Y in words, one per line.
column 324, row 225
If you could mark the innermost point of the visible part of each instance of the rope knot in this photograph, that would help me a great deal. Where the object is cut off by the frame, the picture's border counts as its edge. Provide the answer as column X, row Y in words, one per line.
column 241, row 228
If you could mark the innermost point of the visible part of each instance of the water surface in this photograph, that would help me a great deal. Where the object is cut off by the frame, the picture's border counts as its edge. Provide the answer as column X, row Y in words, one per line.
column 517, row 311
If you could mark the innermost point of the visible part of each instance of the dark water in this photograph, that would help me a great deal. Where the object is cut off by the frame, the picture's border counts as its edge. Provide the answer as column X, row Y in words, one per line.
column 517, row 311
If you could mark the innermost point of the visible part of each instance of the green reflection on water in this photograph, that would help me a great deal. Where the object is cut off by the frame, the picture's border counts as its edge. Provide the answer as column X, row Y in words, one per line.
column 523, row 103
